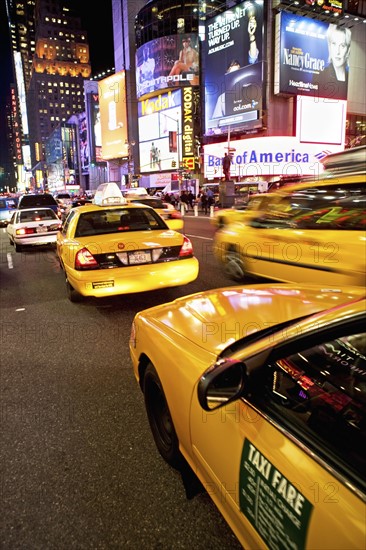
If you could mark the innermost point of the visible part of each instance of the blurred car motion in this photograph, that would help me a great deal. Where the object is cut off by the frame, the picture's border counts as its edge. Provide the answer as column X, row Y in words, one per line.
column 312, row 232
column 242, row 212
column 261, row 391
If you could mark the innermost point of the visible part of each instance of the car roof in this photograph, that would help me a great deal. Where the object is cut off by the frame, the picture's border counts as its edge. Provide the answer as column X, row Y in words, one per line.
column 91, row 207
column 35, row 209
column 325, row 179
column 44, row 199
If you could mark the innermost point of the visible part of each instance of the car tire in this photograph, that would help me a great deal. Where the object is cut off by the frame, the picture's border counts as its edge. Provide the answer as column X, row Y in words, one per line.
column 234, row 266
column 160, row 420
column 18, row 247
column 72, row 294
column 220, row 223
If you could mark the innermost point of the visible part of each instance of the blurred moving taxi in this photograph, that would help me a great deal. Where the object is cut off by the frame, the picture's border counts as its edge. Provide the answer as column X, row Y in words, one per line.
column 312, row 232
column 113, row 247
column 261, row 391
column 241, row 212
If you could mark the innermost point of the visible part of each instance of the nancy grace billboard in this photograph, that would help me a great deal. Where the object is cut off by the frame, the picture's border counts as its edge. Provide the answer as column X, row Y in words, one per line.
column 168, row 61
column 233, row 69
column 311, row 57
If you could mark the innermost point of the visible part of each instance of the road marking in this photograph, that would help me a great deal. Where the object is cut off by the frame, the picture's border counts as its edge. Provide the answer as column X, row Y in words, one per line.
column 9, row 257
column 199, row 237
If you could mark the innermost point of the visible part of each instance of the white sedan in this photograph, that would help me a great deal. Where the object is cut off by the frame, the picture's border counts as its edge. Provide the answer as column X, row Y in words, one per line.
column 33, row 227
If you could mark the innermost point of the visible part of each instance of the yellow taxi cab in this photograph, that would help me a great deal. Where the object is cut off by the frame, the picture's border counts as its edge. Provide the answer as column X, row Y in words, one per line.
column 112, row 247
column 311, row 232
column 173, row 218
column 241, row 212
column 259, row 391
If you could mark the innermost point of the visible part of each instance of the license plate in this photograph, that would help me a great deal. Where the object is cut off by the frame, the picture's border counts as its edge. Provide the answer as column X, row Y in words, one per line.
column 41, row 229
column 139, row 258
column 103, row 284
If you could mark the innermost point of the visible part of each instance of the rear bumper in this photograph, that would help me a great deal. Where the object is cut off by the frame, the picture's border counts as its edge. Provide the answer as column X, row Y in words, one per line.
column 37, row 240
column 127, row 280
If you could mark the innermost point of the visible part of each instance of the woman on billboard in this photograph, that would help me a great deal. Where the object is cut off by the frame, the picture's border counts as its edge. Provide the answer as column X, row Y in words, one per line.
column 335, row 75
column 188, row 60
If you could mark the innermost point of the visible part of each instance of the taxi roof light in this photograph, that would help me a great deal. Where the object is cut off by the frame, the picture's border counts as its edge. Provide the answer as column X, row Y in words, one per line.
column 108, row 194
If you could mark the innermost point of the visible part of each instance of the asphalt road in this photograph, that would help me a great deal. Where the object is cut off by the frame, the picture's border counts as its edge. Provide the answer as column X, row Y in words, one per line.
column 79, row 468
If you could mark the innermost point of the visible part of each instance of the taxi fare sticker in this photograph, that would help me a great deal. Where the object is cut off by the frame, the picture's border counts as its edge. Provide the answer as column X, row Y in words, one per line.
column 275, row 508
column 103, row 284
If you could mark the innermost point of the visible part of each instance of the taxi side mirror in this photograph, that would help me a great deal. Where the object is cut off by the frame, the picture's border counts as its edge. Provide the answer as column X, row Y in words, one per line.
column 222, row 383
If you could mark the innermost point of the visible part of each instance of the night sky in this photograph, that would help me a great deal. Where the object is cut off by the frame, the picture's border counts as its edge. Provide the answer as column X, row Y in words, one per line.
column 100, row 34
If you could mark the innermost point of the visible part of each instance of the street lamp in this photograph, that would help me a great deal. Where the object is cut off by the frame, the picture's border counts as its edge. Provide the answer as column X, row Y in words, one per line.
column 130, row 145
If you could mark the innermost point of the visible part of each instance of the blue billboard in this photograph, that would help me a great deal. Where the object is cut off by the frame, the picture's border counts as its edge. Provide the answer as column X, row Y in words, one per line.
column 311, row 57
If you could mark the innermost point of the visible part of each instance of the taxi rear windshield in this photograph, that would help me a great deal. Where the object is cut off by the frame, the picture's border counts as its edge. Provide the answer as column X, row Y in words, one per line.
column 154, row 203
column 102, row 222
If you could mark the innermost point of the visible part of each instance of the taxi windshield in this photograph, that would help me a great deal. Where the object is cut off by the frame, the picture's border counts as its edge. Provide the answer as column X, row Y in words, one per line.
column 118, row 220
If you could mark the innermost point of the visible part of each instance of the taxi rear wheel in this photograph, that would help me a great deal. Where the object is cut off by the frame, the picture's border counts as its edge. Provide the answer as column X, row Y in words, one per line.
column 234, row 265
column 220, row 223
column 72, row 294
column 160, row 419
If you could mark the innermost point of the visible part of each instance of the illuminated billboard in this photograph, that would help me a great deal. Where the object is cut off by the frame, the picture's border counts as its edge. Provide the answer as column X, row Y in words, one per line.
column 94, row 126
column 311, row 57
column 324, row 7
column 84, row 143
column 267, row 157
column 169, row 61
column 113, row 116
column 160, row 128
column 233, row 62
column 319, row 120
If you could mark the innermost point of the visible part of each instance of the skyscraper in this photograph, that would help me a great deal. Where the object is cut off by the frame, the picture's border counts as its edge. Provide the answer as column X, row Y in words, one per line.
column 51, row 60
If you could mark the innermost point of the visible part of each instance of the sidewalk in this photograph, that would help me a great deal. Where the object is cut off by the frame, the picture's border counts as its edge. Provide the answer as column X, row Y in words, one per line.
column 199, row 214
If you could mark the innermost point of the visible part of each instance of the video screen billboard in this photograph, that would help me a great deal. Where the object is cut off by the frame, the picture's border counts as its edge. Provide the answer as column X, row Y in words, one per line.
column 84, row 143
column 233, row 69
column 325, row 7
column 94, row 126
column 319, row 120
column 160, row 130
column 169, row 61
column 113, row 116
column 311, row 57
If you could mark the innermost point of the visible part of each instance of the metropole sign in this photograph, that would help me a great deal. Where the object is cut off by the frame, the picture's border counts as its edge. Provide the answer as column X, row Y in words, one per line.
column 267, row 156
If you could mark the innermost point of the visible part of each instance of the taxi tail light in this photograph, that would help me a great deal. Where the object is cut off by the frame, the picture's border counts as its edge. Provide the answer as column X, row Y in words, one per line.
column 175, row 215
column 187, row 248
column 25, row 231
column 85, row 259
